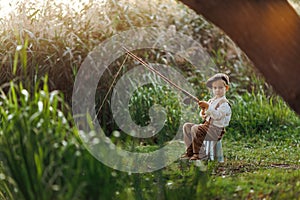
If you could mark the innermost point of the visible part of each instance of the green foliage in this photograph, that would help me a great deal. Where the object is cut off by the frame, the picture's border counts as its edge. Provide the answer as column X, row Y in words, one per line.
column 257, row 114
column 26, row 120
column 41, row 152
column 42, row 156
column 146, row 97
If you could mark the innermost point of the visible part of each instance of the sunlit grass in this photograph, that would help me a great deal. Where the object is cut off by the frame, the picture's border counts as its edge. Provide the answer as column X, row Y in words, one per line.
column 296, row 5
column 41, row 154
column 8, row 8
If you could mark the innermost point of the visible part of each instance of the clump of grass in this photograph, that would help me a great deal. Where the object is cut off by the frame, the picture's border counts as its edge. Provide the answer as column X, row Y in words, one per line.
column 147, row 96
column 33, row 128
column 42, row 155
column 256, row 114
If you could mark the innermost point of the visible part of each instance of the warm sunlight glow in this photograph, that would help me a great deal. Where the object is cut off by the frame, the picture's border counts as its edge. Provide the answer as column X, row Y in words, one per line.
column 6, row 7
column 295, row 5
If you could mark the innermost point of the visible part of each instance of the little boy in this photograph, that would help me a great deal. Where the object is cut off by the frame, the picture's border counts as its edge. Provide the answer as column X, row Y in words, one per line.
column 216, row 113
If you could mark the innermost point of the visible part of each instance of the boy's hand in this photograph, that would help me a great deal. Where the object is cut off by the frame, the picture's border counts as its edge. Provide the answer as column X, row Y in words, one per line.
column 203, row 105
column 202, row 112
column 203, row 115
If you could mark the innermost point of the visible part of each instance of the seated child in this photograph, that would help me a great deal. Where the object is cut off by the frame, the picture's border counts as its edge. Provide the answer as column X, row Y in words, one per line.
column 216, row 113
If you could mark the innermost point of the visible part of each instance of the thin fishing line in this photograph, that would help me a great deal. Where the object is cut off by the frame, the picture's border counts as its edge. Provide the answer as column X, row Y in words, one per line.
column 111, row 86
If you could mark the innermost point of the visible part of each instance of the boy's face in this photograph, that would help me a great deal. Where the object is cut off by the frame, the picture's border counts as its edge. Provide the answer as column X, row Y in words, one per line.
column 219, row 88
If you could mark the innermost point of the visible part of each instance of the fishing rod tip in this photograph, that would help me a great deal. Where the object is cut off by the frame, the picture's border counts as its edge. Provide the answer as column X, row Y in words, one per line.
column 125, row 48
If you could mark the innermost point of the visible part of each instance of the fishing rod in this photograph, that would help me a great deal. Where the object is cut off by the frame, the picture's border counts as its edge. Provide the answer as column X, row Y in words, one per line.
column 145, row 64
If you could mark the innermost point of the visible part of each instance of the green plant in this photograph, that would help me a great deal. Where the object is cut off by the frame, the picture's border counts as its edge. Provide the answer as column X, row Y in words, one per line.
column 146, row 97
column 30, row 125
column 256, row 114
column 42, row 154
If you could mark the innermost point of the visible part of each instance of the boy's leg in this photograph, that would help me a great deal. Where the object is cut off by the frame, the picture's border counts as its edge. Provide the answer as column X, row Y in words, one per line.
column 188, row 138
column 214, row 133
column 199, row 132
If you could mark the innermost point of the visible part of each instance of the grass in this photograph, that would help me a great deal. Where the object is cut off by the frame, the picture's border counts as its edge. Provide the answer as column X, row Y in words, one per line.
column 267, row 170
column 42, row 156
column 264, row 171
column 41, row 151
column 262, row 184
column 262, row 159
